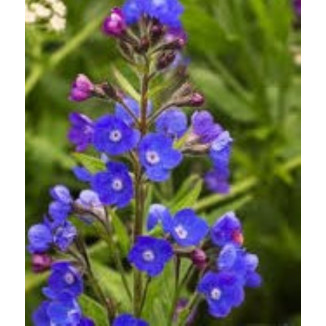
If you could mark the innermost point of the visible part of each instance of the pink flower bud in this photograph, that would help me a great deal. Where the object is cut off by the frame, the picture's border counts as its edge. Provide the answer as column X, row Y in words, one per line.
column 197, row 100
column 115, row 24
column 81, row 89
column 41, row 263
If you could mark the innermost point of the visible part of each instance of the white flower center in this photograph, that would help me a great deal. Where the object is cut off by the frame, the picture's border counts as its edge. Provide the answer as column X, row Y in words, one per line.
column 117, row 184
column 115, row 135
column 181, row 232
column 148, row 255
column 152, row 157
column 69, row 278
column 216, row 294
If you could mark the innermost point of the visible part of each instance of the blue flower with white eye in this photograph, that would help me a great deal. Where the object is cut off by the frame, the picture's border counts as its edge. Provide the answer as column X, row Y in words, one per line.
column 113, row 136
column 39, row 238
column 168, row 12
column 133, row 105
column 172, row 122
column 81, row 131
column 204, row 127
column 187, row 228
column 64, row 278
column 150, row 254
column 129, row 320
column 158, row 157
column 64, row 235
column 222, row 292
column 159, row 214
column 114, row 186
column 242, row 263
column 227, row 229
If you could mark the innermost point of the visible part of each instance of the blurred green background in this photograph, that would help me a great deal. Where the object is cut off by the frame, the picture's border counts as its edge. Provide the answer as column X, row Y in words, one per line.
column 245, row 56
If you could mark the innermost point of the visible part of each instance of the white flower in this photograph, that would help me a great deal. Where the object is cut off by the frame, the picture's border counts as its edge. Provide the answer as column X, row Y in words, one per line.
column 57, row 23
column 59, row 8
column 30, row 16
column 40, row 10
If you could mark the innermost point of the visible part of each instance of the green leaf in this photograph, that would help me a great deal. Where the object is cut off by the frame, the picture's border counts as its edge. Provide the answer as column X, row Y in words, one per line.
column 93, row 310
column 92, row 164
column 111, row 283
column 218, row 93
column 187, row 194
column 121, row 233
column 125, row 85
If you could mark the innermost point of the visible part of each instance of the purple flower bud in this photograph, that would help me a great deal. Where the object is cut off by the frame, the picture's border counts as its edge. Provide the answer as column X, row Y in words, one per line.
column 297, row 6
column 115, row 24
column 197, row 100
column 165, row 60
column 41, row 263
column 199, row 258
column 81, row 89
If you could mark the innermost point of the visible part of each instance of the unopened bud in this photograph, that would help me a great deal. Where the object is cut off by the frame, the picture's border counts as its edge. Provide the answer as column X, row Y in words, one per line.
column 115, row 24
column 165, row 60
column 143, row 46
column 41, row 263
column 197, row 100
column 199, row 258
column 82, row 89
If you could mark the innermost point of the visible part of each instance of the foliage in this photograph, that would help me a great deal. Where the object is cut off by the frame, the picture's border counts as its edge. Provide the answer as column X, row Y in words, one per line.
column 242, row 58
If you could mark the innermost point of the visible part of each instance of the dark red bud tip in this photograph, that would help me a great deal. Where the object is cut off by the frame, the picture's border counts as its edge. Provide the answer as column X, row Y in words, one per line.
column 197, row 100
column 41, row 263
column 199, row 258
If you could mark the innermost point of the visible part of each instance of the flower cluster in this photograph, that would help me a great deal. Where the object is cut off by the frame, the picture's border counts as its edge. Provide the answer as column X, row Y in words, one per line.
column 233, row 268
column 138, row 142
column 61, row 307
column 50, row 13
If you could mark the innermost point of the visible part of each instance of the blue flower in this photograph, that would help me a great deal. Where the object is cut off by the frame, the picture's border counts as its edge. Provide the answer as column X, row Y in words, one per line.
column 226, row 230
column 121, row 113
column 218, row 182
column 128, row 320
column 204, row 127
column 64, row 235
column 220, row 152
column 81, row 131
column 159, row 214
column 63, row 310
column 222, row 292
column 158, row 157
column 82, row 174
column 150, row 254
column 187, row 228
column 114, row 186
column 64, row 278
column 113, row 136
column 172, row 122
column 242, row 263
column 39, row 238
column 61, row 207
column 89, row 204
column 166, row 11
column 61, row 194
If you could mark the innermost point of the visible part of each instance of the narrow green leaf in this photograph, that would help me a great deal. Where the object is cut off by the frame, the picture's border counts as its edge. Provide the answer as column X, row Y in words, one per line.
column 92, row 164
column 125, row 84
column 121, row 233
column 111, row 283
column 93, row 310
column 189, row 194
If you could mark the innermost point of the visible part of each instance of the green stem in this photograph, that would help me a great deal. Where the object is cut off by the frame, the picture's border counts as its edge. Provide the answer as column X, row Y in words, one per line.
column 187, row 311
column 107, row 302
column 148, row 281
